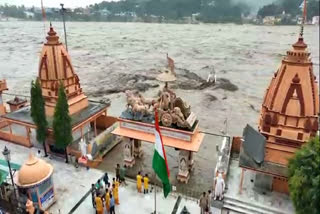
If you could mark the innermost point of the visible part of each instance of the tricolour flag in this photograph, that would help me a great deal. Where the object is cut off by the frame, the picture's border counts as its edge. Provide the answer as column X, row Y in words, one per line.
column 305, row 10
column 159, row 162
column 43, row 12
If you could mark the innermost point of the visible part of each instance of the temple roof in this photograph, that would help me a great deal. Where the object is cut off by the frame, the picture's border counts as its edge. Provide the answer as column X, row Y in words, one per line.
column 293, row 89
column 55, row 62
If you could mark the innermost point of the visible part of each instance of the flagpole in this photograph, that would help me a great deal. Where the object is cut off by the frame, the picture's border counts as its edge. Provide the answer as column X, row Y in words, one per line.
column 44, row 19
column 155, row 192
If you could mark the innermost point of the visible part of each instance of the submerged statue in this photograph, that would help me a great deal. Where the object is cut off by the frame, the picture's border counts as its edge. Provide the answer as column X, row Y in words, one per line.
column 83, row 147
column 173, row 111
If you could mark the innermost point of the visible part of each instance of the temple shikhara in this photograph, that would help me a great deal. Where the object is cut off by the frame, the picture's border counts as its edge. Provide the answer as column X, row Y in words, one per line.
column 289, row 117
column 55, row 68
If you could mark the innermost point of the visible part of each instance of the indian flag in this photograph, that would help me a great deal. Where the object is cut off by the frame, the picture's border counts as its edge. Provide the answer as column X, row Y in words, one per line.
column 159, row 162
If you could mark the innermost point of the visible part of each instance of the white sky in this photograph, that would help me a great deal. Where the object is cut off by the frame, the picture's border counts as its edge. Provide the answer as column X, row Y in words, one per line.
column 52, row 3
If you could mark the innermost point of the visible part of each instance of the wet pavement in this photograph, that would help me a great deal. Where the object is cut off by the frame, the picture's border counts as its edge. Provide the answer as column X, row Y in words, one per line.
column 201, row 178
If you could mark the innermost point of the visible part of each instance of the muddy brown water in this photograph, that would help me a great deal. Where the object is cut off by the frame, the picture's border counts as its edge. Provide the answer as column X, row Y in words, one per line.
column 112, row 57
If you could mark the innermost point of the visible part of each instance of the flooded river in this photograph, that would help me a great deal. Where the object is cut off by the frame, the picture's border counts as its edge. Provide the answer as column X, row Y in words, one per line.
column 110, row 57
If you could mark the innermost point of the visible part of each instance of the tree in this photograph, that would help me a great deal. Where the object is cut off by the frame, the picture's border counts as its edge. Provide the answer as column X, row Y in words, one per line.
column 62, row 129
column 269, row 10
column 304, row 178
column 38, row 113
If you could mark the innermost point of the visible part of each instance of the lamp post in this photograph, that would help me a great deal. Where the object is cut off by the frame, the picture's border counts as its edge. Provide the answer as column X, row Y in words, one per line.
column 6, row 154
column 63, row 10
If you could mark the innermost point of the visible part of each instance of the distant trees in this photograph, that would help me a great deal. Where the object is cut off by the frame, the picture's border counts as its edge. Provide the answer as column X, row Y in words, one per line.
column 290, row 7
column 62, row 129
column 269, row 10
column 13, row 11
column 38, row 113
column 313, row 9
column 304, row 178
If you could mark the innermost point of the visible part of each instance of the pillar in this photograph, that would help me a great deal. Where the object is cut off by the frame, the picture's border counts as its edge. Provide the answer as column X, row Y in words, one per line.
column 137, row 148
column 184, row 172
column 190, row 161
column 95, row 127
column 2, row 107
column 129, row 159
column 241, row 181
column 81, row 131
column 28, row 135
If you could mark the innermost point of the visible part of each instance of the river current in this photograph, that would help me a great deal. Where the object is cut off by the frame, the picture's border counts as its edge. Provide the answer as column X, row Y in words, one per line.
column 104, row 53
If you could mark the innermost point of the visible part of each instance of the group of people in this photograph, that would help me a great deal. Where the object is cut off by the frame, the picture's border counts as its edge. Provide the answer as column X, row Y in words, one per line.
column 145, row 180
column 105, row 195
column 205, row 202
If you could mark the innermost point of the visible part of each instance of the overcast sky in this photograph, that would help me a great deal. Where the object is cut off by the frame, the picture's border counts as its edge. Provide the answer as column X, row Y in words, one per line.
column 52, row 3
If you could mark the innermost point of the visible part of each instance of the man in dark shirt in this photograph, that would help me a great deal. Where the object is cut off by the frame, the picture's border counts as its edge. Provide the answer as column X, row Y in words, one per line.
column 118, row 172
column 106, row 179
column 93, row 195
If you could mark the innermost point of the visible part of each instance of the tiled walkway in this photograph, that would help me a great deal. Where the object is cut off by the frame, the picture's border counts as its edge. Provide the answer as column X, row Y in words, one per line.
column 71, row 184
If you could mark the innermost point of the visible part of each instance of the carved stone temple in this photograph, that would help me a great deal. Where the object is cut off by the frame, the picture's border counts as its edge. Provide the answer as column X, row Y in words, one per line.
column 289, row 117
column 178, row 125
column 55, row 68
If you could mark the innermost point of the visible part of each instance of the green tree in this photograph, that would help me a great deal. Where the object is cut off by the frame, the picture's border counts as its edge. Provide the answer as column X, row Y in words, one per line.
column 304, row 178
column 62, row 129
column 38, row 113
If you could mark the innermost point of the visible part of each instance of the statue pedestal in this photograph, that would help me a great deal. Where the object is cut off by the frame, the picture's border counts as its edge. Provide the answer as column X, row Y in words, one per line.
column 129, row 162
column 183, row 176
column 184, row 166
column 137, row 151
column 129, row 159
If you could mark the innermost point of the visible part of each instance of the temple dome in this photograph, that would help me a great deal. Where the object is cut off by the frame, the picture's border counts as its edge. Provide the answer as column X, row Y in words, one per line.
column 33, row 171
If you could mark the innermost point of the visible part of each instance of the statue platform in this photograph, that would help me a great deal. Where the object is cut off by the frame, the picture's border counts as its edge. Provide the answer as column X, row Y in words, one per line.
column 179, row 139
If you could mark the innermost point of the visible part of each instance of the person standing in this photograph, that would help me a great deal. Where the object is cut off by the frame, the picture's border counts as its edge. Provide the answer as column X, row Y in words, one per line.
column 106, row 179
column 123, row 174
column 145, row 184
column 118, row 172
column 115, row 192
column 112, row 204
column 139, row 181
column 203, row 202
column 99, row 205
column 93, row 195
column 209, row 199
column 107, row 200
column 113, row 181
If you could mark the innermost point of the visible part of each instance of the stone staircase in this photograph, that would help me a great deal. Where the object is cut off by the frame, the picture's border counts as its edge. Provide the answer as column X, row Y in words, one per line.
column 245, row 207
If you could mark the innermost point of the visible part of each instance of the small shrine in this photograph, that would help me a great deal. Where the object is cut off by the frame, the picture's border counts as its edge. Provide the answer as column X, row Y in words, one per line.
column 55, row 68
column 34, row 180
column 17, row 103
column 178, row 124
column 288, row 118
